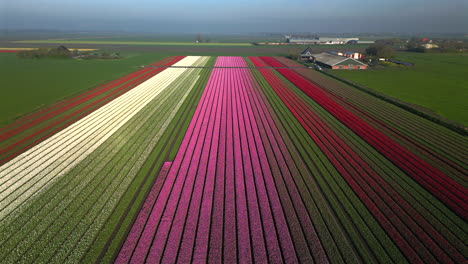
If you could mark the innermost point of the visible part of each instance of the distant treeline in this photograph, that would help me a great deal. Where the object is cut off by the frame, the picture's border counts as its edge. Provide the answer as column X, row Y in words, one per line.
column 64, row 52
column 59, row 52
column 427, row 45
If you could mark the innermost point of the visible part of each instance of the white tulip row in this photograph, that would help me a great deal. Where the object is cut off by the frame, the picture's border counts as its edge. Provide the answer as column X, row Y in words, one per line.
column 34, row 169
column 116, row 181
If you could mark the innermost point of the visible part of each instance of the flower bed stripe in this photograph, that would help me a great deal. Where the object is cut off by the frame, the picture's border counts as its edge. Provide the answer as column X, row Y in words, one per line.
column 449, row 191
column 368, row 238
column 43, row 132
column 74, row 229
column 439, row 215
column 439, row 139
column 95, row 91
column 143, row 216
column 55, row 156
column 346, row 161
column 229, row 195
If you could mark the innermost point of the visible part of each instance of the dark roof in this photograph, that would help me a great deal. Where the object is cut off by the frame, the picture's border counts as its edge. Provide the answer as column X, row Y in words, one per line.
column 402, row 62
column 307, row 50
column 332, row 59
column 63, row 48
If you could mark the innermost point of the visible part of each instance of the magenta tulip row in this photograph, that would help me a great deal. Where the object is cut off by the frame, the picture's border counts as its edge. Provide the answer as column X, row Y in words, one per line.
column 218, row 200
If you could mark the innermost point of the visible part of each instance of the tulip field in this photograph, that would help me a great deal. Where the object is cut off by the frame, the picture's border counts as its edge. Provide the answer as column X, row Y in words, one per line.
column 197, row 159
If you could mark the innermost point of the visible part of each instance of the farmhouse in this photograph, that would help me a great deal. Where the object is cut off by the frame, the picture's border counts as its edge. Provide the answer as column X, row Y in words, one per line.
column 336, row 53
column 306, row 54
column 354, row 55
column 338, row 62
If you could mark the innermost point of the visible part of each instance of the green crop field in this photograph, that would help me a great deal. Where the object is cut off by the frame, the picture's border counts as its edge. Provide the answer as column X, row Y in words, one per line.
column 123, row 42
column 244, row 158
column 28, row 84
column 437, row 82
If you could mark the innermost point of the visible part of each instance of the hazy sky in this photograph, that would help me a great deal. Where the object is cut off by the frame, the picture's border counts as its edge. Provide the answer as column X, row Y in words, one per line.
column 241, row 16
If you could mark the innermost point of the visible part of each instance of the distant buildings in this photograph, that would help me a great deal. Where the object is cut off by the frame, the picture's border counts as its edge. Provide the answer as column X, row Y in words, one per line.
column 321, row 40
column 430, row 46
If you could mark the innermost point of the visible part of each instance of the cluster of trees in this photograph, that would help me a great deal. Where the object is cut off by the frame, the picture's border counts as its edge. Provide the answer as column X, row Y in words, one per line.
column 293, row 53
column 103, row 56
column 379, row 50
column 59, row 52
column 64, row 52
column 415, row 45
column 201, row 39
column 390, row 41
column 444, row 46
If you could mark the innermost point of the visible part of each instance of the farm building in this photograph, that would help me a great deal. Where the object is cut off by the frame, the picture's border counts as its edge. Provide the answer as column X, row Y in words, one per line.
column 354, row 55
column 338, row 62
column 303, row 40
column 336, row 53
column 306, row 54
column 338, row 40
column 430, row 46
column 322, row 40
column 349, row 54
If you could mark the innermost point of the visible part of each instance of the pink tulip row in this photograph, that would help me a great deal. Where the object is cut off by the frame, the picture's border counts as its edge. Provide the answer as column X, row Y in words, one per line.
column 219, row 200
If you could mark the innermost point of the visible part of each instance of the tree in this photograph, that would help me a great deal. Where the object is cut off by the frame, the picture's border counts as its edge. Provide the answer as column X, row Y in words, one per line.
column 199, row 37
column 293, row 53
column 389, row 41
column 415, row 44
column 377, row 51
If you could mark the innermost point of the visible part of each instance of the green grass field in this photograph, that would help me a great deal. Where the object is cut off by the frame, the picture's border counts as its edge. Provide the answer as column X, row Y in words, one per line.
column 124, row 42
column 437, row 82
column 27, row 84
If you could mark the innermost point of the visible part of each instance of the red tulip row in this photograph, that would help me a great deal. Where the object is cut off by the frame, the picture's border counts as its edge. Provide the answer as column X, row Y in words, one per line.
column 52, row 121
column 446, row 189
column 430, row 155
column 51, row 111
column 417, row 238
column 436, row 145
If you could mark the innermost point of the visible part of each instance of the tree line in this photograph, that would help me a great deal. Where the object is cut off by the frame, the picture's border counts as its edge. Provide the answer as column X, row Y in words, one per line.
column 64, row 52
